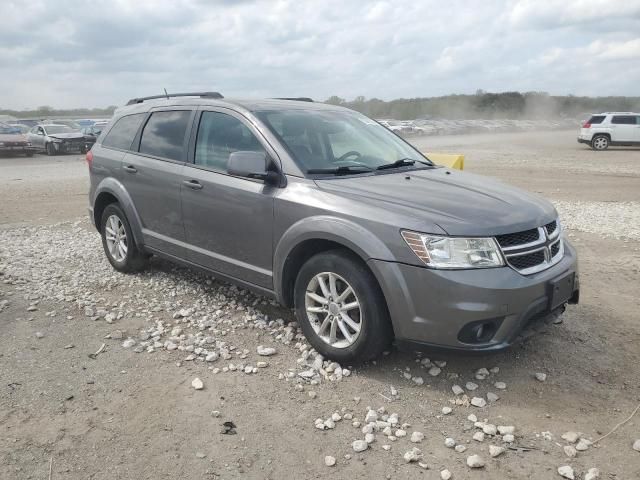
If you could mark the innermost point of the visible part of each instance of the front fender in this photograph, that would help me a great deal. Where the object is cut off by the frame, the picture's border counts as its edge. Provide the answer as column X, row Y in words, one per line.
column 325, row 227
column 112, row 186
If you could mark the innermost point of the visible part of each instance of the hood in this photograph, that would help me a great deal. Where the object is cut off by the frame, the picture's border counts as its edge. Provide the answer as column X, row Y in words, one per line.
column 459, row 203
column 12, row 137
column 65, row 136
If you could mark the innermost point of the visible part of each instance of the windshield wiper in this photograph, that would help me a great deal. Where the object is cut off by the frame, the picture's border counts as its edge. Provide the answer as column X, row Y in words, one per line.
column 403, row 162
column 343, row 170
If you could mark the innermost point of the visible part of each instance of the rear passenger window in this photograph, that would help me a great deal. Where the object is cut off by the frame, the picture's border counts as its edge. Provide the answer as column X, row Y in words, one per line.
column 123, row 132
column 163, row 135
column 219, row 135
column 624, row 119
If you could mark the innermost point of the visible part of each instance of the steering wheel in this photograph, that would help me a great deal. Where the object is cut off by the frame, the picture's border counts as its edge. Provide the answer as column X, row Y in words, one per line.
column 351, row 153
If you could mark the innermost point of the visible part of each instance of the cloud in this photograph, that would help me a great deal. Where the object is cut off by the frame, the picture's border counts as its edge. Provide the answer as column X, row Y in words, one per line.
column 65, row 54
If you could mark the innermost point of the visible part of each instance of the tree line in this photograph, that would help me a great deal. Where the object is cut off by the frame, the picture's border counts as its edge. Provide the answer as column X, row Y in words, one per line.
column 512, row 105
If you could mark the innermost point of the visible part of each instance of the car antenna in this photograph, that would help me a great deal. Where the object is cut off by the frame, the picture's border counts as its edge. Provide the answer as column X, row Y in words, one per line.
column 165, row 92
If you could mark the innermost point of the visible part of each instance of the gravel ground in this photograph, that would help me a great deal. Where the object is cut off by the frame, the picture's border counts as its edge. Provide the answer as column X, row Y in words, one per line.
column 270, row 408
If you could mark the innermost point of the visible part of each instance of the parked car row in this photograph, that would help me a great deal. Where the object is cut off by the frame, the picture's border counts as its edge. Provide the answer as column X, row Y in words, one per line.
column 52, row 137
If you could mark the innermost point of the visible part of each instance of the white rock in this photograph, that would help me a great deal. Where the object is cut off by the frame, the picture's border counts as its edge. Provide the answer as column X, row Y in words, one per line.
column 434, row 371
column 262, row 364
column 460, row 448
column 41, row 335
column 495, row 451
column 128, row 343
column 445, row 474
column 329, row 461
column 369, row 437
column 471, row 386
column 197, row 384
column 446, row 410
column 475, row 461
column 449, row 442
column 211, row 357
column 413, row 455
column 417, row 437
column 592, row 474
column 500, row 385
column 489, row 429
column 336, row 417
column 571, row 437
column 386, row 447
column 541, row 377
column 472, row 418
column 457, row 390
column 482, row 373
column 636, row 445
column 506, row 429
column 478, row 402
column 418, row 380
column 311, row 393
column 583, row 445
column 401, row 433
column 508, row 438
column 329, row 423
column 265, row 351
column 569, row 451
column 566, row 471
column 492, row 397
column 478, row 436
column 359, row 445
column 371, row 416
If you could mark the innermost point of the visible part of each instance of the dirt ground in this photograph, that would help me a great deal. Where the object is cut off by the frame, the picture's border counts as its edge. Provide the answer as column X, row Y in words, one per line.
column 128, row 415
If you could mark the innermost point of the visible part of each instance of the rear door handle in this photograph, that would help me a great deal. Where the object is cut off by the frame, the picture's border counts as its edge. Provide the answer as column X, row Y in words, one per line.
column 130, row 169
column 192, row 184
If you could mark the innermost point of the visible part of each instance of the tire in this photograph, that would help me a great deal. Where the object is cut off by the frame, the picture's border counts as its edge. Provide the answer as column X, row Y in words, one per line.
column 51, row 150
column 128, row 259
column 83, row 150
column 375, row 332
column 600, row 142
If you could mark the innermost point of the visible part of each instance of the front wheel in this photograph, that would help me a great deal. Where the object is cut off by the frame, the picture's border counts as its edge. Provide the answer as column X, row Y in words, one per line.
column 51, row 150
column 341, row 309
column 118, row 242
column 600, row 142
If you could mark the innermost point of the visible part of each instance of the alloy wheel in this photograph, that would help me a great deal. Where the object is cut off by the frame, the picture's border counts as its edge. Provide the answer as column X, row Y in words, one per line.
column 333, row 309
column 116, row 237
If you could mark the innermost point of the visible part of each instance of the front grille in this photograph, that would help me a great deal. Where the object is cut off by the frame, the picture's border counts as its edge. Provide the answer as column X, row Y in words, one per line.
column 551, row 227
column 519, row 238
column 533, row 250
column 523, row 262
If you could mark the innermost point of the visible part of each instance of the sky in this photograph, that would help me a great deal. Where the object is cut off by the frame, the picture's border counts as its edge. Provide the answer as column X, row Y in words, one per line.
column 94, row 53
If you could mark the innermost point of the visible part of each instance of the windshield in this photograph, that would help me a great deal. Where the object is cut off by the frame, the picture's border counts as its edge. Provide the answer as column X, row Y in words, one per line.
column 338, row 140
column 58, row 129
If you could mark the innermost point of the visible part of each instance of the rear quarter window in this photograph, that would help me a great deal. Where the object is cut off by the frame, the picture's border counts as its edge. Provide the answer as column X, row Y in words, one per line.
column 123, row 132
column 596, row 119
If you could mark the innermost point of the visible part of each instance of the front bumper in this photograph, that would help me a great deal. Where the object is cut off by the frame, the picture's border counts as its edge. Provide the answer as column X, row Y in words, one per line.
column 64, row 147
column 435, row 308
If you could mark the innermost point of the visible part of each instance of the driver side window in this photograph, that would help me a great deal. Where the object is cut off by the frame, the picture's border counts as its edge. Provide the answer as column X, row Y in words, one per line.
column 219, row 135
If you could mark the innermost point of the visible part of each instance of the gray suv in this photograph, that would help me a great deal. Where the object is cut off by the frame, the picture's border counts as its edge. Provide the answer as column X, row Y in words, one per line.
column 333, row 215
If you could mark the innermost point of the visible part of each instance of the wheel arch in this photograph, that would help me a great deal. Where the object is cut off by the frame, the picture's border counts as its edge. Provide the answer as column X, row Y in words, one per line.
column 314, row 235
column 112, row 191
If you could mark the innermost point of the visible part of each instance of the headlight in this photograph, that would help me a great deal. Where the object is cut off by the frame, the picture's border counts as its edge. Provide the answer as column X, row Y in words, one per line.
column 454, row 252
column 29, row 144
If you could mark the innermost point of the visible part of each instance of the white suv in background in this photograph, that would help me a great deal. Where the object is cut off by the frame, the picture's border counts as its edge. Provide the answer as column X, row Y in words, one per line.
column 611, row 128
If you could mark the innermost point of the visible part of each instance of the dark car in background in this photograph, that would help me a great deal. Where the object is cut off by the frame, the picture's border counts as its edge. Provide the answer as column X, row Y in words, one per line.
column 54, row 139
column 91, row 133
column 13, row 142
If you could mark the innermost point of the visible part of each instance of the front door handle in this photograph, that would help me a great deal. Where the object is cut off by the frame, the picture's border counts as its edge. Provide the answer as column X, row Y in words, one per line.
column 192, row 184
column 130, row 169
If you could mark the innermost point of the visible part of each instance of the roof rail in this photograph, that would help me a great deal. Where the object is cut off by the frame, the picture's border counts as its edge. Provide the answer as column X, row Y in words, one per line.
column 133, row 101
column 296, row 99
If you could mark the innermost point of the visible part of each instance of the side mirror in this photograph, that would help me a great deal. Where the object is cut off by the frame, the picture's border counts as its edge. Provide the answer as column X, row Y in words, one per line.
column 248, row 164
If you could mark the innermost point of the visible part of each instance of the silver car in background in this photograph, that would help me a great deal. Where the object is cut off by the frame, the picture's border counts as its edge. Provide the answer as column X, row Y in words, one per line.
column 54, row 139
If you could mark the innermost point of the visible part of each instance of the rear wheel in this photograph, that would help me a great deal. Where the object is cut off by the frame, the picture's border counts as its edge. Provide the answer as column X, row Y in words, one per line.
column 51, row 150
column 600, row 142
column 341, row 309
column 118, row 242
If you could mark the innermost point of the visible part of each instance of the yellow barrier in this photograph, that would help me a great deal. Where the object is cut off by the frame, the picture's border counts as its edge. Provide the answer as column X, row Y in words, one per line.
column 447, row 159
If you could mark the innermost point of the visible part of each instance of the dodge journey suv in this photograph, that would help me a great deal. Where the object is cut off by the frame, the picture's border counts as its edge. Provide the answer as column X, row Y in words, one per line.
column 333, row 215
